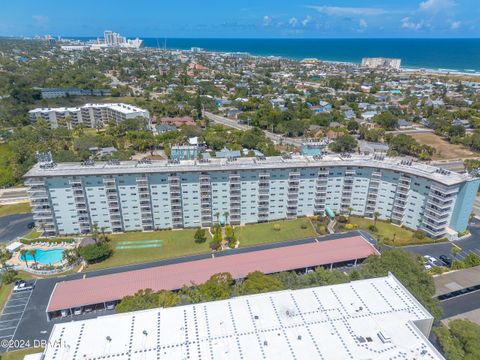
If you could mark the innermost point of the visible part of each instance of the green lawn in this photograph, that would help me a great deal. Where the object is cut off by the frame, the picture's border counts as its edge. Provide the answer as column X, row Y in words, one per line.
column 265, row 233
column 386, row 231
column 174, row 243
column 20, row 354
column 21, row 208
column 4, row 294
column 34, row 234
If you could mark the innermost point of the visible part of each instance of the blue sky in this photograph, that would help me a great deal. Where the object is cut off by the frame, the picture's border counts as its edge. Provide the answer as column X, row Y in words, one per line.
column 244, row 18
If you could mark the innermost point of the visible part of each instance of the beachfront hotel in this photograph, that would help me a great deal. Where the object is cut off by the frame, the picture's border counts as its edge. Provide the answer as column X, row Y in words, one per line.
column 90, row 115
column 68, row 198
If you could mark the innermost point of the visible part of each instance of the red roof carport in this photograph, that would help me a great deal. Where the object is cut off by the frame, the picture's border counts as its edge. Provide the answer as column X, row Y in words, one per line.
column 105, row 288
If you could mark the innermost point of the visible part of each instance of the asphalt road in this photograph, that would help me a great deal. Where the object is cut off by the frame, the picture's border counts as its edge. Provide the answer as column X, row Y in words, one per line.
column 461, row 304
column 13, row 226
column 234, row 124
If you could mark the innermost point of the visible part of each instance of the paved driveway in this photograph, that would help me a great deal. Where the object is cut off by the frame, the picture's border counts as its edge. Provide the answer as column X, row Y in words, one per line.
column 13, row 226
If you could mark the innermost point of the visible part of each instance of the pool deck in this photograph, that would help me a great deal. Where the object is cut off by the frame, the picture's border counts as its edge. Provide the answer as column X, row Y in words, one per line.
column 16, row 259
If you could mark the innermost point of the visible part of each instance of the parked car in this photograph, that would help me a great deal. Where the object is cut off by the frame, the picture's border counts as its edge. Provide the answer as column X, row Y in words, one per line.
column 78, row 311
column 110, row 305
column 31, row 225
column 430, row 260
column 447, row 260
column 88, row 309
column 21, row 285
column 63, row 313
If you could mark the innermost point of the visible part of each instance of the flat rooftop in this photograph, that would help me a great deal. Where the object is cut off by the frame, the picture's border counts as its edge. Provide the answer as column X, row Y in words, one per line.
column 456, row 280
column 100, row 289
column 249, row 163
column 120, row 107
column 366, row 319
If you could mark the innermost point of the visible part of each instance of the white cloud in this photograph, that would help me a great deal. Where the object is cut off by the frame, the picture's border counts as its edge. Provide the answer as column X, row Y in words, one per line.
column 267, row 20
column 40, row 19
column 306, row 21
column 293, row 22
column 362, row 25
column 436, row 5
column 455, row 25
column 348, row 11
column 407, row 23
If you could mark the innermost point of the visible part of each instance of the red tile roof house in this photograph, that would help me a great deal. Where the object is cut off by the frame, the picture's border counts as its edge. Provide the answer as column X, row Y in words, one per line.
column 178, row 121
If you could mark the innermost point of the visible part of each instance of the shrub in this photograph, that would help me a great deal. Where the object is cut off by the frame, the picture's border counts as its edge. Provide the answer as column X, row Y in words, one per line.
column 418, row 234
column 277, row 227
column 214, row 245
column 458, row 264
column 94, row 253
column 349, row 227
column 303, row 225
column 200, row 236
column 471, row 260
column 373, row 228
column 9, row 276
column 322, row 229
column 342, row 219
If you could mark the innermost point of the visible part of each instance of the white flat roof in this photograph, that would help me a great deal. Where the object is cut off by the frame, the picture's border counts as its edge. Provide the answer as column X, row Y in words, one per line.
column 250, row 163
column 120, row 107
column 366, row 319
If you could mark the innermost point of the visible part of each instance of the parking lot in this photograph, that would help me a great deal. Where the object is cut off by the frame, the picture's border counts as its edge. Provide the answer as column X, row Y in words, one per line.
column 13, row 314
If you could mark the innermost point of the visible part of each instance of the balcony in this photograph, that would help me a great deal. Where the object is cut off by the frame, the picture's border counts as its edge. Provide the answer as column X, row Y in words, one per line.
column 440, row 206
column 34, row 182
column 444, row 190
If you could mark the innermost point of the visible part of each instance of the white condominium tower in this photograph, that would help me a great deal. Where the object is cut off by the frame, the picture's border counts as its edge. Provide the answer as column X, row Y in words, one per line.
column 68, row 198
column 90, row 115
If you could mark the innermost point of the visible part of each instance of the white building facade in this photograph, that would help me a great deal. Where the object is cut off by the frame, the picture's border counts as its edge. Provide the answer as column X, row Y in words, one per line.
column 69, row 198
column 90, row 115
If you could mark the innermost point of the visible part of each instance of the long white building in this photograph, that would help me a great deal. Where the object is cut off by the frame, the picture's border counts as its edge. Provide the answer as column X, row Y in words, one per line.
column 69, row 198
column 365, row 319
column 90, row 115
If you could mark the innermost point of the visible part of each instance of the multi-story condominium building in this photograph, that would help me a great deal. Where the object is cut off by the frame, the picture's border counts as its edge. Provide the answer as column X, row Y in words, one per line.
column 69, row 198
column 385, row 63
column 51, row 93
column 90, row 115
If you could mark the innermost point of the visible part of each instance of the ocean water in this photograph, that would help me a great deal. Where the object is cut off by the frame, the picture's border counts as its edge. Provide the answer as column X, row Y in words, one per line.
column 438, row 54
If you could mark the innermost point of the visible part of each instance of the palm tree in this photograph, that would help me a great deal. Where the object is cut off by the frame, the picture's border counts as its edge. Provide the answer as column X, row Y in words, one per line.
column 217, row 215
column 33, row 252
column 104, row 236
column 226, row 214
column 23, row 255
column 350, row 211
column 95, row 232
column 4, row 257
column 376, row 215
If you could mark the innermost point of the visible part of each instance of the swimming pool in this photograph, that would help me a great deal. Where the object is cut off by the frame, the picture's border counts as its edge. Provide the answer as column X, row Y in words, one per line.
column 47, row 257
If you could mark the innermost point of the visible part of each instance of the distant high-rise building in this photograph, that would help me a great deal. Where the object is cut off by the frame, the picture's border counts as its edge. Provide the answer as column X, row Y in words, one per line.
column 113, row 39
column 380, row 62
